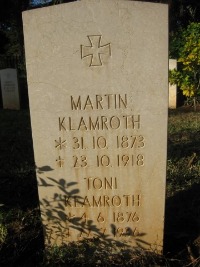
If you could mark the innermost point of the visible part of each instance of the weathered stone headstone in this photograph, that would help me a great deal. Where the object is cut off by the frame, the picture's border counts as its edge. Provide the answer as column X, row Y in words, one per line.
column 99, row 118
column 172, row 88
column 9, row 89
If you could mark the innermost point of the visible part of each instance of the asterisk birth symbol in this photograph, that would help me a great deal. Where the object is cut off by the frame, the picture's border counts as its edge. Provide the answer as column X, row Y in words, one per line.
column 60, row 144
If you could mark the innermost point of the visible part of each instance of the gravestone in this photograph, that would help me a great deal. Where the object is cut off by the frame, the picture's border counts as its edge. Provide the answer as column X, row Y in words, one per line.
column 99, row 119
column 9, row 89
column 172, row 87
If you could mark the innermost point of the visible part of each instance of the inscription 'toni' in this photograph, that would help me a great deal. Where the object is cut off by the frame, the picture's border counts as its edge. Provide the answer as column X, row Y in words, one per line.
column 95, row 50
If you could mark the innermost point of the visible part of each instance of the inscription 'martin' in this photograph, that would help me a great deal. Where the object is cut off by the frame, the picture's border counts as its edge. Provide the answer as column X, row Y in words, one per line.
column 107, row 101
column 95, row 50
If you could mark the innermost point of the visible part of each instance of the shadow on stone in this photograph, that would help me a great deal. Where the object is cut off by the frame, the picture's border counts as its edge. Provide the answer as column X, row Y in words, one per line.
column 59, row 222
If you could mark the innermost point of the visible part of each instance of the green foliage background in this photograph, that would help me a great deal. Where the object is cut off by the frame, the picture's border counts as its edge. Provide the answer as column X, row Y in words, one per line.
column 185, row 46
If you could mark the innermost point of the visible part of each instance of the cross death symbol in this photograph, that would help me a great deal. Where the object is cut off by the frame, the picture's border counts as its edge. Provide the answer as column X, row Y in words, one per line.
column 60, row 162
column 60, row 144
column 95, row 50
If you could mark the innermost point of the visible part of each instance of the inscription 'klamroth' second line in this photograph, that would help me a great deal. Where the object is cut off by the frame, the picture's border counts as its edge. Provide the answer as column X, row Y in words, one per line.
column 99, row 123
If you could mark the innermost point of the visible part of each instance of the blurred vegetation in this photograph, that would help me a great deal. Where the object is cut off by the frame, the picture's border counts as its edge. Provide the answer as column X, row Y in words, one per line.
column 186, row 47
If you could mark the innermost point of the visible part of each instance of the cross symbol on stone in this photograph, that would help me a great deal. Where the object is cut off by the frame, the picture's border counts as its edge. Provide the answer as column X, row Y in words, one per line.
column 95, row 50
column 60, row 162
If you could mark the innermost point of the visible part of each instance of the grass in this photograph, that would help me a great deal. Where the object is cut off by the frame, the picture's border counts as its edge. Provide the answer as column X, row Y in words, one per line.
column 183, row 151
column 21, row 239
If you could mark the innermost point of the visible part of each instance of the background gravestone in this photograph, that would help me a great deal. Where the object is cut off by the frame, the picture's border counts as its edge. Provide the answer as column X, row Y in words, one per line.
column 99, row 118
column 9, row 89
column 172, row 87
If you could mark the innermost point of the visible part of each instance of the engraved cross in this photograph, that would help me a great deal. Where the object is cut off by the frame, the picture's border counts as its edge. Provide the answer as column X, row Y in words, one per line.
column 60, row 162
column 95, row 50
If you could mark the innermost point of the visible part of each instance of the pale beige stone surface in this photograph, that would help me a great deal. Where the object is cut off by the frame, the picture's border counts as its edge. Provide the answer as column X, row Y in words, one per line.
column 99, row 118
column 172, row 87
column 9, row 89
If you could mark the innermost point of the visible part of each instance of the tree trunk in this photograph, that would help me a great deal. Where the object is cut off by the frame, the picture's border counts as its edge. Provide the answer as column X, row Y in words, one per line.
column 195, row 103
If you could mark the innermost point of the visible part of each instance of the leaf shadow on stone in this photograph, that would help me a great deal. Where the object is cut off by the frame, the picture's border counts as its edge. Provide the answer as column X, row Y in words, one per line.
column 55, row 212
